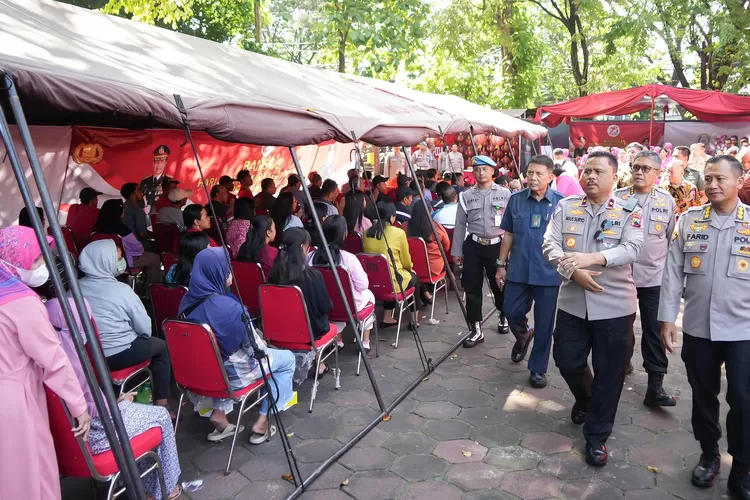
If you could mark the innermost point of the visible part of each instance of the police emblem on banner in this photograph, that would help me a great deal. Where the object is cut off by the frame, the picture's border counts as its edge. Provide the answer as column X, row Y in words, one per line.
column 90, row 153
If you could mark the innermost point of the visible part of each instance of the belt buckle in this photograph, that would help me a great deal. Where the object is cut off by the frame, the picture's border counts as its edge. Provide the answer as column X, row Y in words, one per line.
column 484, row 241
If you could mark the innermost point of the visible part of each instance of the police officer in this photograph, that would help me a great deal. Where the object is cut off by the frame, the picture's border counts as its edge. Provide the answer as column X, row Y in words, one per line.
column 658, row 211
column 151, row 186
column 529, row 275
column 711, row 247
column 476, row 243
column 421, row 157
column 592, row 241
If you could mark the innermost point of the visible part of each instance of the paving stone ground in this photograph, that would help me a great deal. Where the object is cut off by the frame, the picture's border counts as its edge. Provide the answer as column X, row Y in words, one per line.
column 473, row 430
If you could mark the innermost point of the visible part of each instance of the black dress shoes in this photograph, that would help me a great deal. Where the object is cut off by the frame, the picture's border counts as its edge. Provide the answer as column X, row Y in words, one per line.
column 596, row 455
column 706, row 471
column 538, row 380
column 578, row 413
column 655, row 393
column 739, row 481
column 502, row 323
column 520, row 348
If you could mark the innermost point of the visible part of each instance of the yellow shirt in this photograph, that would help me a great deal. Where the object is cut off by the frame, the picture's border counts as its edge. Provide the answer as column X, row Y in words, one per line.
column 397, row 240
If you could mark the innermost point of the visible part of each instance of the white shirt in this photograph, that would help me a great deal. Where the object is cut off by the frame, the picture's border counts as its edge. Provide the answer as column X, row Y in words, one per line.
column 446, row 215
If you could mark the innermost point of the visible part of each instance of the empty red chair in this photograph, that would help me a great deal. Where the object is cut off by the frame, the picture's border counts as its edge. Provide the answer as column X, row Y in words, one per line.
column 421, row 265
column 168, row 259
column 198, row 367
column 70, row 241
column 286, row 325
column 250, row 277
column 166, row 236
column 133, row 272
column 121, row 378
column 353, row 243
column 74, row 457
column 378, row 271
column 165, row 303
column 361, row 318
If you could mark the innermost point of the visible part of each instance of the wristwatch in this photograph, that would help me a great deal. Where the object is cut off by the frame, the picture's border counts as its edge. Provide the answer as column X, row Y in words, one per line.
column 500, row 263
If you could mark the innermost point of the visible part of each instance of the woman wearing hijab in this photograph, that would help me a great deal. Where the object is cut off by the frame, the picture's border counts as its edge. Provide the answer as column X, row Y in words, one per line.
column 30, row 356
column 138, row 418
column 208, row 301
column 123, row 323
column 110, row 222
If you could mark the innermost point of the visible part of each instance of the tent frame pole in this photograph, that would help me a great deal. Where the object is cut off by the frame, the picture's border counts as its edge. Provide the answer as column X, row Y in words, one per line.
column 250, row 331
column 104, row 400
column 337, row 279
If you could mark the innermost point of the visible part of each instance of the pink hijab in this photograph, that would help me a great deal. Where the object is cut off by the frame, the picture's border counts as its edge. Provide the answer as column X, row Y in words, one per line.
column 18, row 248
column 568, row 186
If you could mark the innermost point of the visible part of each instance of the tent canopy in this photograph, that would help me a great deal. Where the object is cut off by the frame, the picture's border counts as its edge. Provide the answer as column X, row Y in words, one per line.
column 706, row 105
column 483, row 120
column 76, row 66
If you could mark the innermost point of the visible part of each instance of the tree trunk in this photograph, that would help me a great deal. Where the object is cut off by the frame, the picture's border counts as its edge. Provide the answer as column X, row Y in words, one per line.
column 342, row 51
column 503, row 14
column 258, row 23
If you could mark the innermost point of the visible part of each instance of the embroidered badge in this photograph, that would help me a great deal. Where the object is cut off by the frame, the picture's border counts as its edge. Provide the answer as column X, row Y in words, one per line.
column 744, row 232
column 609, row 232
column 611, row 215
column 658, row 227
column 570, row 242
column 572, row 229
column 704, row 247
column 695, row 262
column 576, row 211
column 636, row 220
column 675, row 234
column 698, row 227
column 742, row 265
column 744, row 250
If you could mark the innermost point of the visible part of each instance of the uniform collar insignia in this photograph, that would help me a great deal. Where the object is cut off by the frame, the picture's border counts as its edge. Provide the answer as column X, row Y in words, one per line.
column 740, row 212
column 611, row 203
column 706, row 213
column 584, row 201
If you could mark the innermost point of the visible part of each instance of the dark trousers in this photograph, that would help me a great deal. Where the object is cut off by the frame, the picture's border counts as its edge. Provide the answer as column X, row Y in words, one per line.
column 479, row 261
column 652, row 348
column 139, row 351
column 607, row 340
column 703, row 359
column 517, row 304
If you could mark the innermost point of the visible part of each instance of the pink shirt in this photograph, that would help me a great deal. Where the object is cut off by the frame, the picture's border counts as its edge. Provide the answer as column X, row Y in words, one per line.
column 362, row 294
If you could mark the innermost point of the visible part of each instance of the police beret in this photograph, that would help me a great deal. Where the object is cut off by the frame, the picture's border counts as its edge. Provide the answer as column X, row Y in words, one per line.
column 482, row 161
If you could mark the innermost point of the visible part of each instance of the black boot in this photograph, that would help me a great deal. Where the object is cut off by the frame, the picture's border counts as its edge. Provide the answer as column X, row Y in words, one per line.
column 707, row 469
column 477, row 337
column 655, row 394
column 739, row 480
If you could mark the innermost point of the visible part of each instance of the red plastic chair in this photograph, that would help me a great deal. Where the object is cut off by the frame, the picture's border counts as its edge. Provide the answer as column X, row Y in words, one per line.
column 378, row 271
column 166, row 236
column 338, row 313
column 198, row 366
column 250, row 277
column 421, row 262
column 353, row 243
column 165, row 302
column 74, row 457
column 70, row 241
column 215, row 230
column 168, row 259
column 133, row 272
column 286, row 325
column 121, row 378
column 152, row 219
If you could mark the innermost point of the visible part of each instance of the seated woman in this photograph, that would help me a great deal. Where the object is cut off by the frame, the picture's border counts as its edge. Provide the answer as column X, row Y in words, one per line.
column 335, row 231
column 196, row 220
column 284, row 212
column 24, row 219
column 110, row 222
column 257, row 246
column 291, row 268
column 420, row 226
column 190, row 244
column 240, row 225
column 354, row 212
column 207, row 301
column 138, row 418
column 123, row 323
column 374, row 241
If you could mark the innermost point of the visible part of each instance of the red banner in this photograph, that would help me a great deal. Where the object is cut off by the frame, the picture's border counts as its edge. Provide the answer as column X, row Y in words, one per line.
column 120, row 156
column 618, row 134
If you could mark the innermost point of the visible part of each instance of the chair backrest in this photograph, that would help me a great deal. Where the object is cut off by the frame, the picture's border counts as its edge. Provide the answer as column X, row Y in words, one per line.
column 353, row 243
column 378, row 271
column 250, row 277
column 165, row 302
column 339, row 309
column 284, row 314
column 70, row 241
column 168, row 259
column 166, row 236
column 419, row 259
column 105, row 236
column 73, row 455
column 196, row 359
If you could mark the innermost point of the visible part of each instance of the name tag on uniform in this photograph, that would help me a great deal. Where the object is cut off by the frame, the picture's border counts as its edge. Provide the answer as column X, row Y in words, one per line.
column 536, row 220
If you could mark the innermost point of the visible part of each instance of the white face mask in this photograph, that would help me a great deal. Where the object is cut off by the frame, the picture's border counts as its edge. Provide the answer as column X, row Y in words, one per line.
column 122, row 266
column 35, row 277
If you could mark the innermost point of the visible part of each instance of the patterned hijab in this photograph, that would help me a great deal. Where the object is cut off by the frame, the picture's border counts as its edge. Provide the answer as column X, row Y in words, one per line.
column 18, row 248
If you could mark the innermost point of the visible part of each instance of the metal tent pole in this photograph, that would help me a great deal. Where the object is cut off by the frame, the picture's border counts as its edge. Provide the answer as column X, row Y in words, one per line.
column 114, row 428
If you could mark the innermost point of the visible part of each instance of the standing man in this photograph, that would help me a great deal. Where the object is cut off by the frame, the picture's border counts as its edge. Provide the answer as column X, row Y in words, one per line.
column 592, row 241
column 658, row 210
column 525, row 273
column 698, row 157
column 395, row 163
column 476, row 243
column 684, row 193
column 151, row 187
column 711, row 247
column 455, row 161
column 580, row 150
column 691, row 175
column 421, row 157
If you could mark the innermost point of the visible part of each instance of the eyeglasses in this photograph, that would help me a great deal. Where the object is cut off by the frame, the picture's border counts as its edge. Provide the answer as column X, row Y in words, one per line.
column 599, row 235
column 643, row 168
